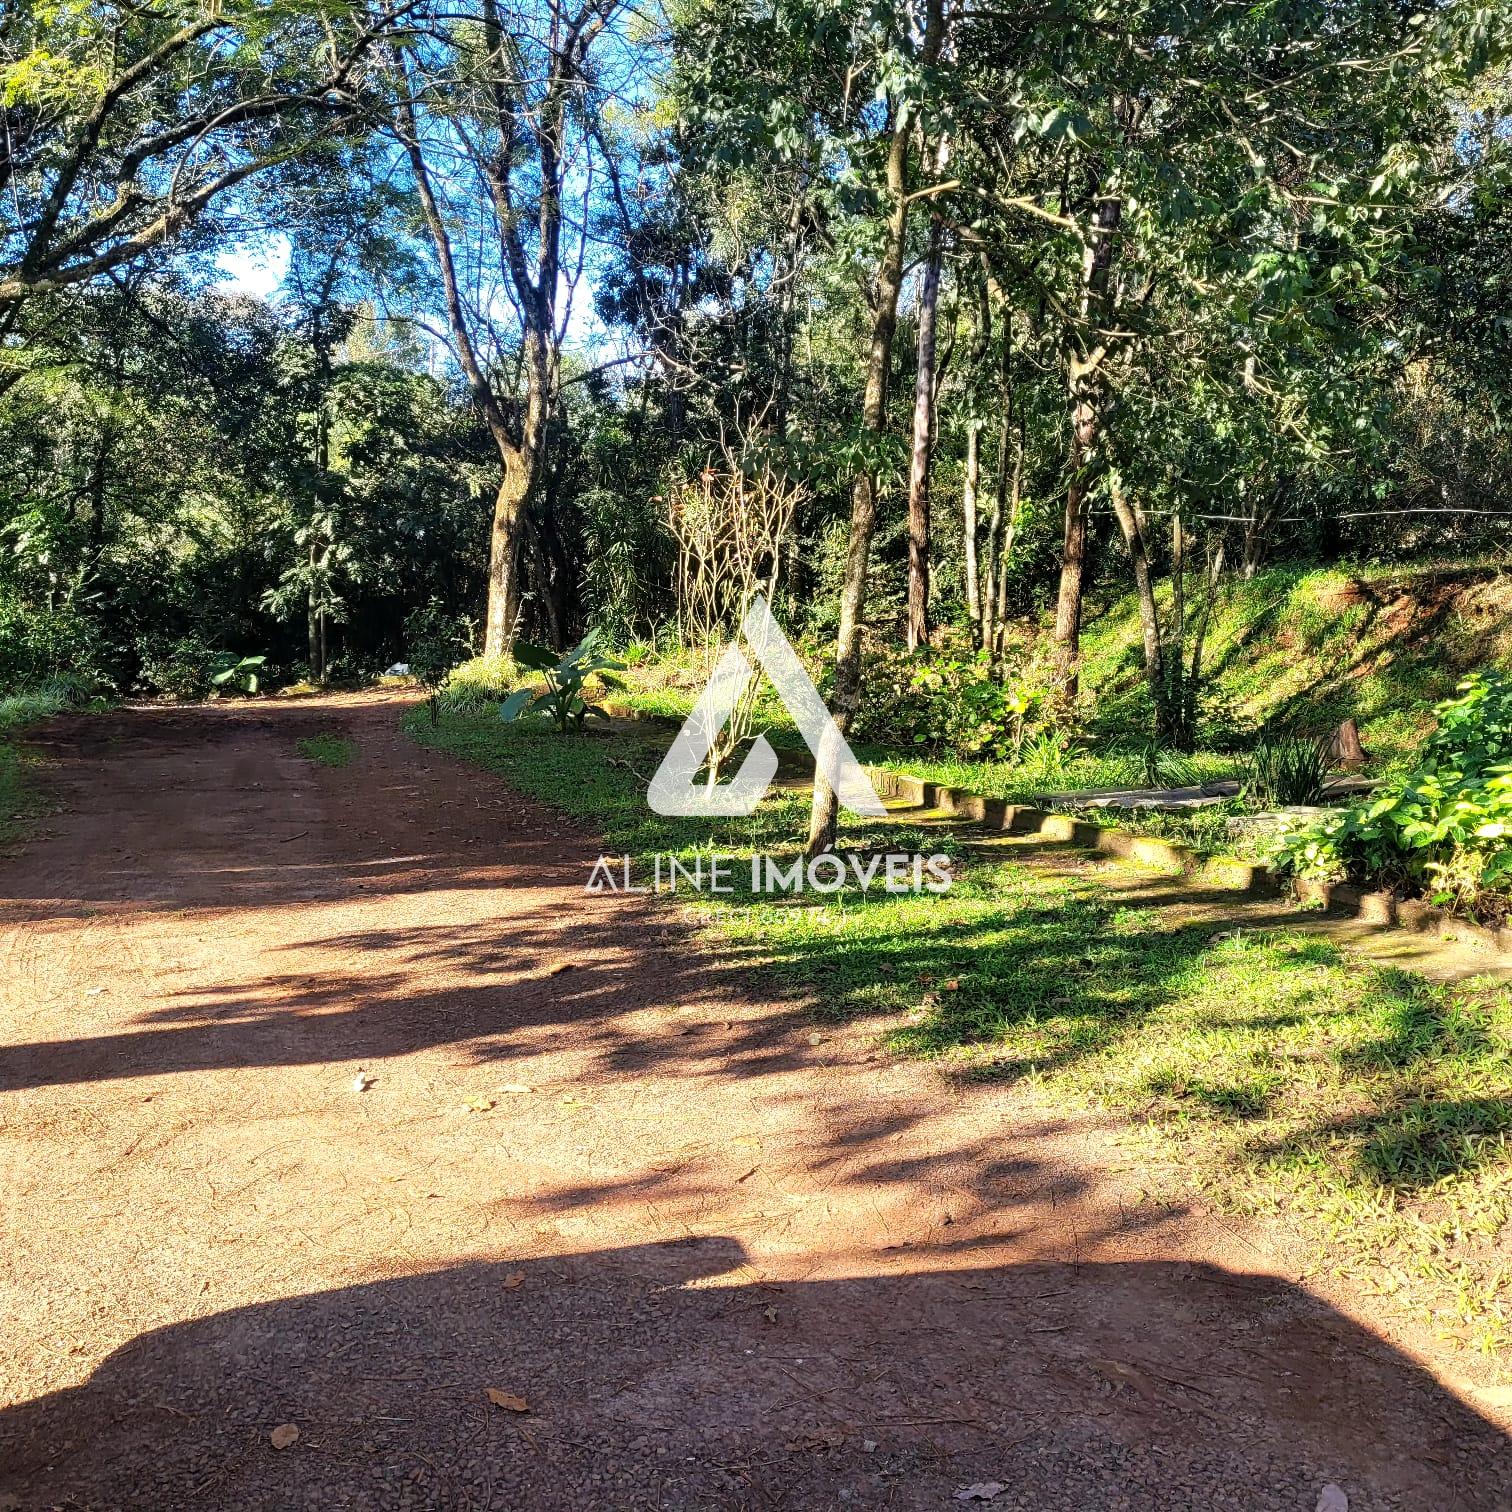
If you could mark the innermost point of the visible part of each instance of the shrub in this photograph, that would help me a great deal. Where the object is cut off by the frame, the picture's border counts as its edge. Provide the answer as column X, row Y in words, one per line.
column 478, row 684
column 1285, row 768
column 1444, row 827
column 949, row 701
column 181, row 668
column 39, row 644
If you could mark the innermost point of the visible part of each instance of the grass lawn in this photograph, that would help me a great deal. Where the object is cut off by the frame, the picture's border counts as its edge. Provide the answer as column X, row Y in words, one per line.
column 1269, row 1071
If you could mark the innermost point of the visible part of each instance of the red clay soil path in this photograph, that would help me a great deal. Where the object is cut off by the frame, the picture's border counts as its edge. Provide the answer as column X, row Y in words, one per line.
column 725, row 1261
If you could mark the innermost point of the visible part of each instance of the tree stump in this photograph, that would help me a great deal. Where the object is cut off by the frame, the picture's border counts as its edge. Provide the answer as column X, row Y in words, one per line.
column 1344, row 748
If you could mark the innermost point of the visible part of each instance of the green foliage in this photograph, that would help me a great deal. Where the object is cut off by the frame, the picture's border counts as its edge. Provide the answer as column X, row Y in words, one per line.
column 188, row 668
column 181, row 668
column 478, row 683
column 232, row 673
column 1283, row 768
column 1441, row 828
column 565, row 700
column 949, row 702
column 38, row 643
column 433, row 641
column 1160, row 766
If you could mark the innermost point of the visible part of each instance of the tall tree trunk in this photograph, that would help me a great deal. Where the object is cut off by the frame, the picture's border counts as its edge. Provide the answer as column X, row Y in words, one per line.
column 923, row 430
column 1084, row 387
column 509, row 516
column 969, row 521
column 1073, row 573
column 312, row 615
column 1192, row 684
column 847, row 689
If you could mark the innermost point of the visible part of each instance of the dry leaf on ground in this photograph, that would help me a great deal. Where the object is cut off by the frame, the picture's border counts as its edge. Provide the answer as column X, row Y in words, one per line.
column 283, row 1435
column 514, row 1280
column 981, row 1491
column 507, row 1400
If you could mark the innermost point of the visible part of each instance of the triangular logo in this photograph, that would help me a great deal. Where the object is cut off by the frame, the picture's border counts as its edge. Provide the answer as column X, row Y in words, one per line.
column 673, row 791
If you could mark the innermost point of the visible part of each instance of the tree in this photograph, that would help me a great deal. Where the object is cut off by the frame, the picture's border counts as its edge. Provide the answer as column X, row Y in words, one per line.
column 496, row 112
column 124, row 125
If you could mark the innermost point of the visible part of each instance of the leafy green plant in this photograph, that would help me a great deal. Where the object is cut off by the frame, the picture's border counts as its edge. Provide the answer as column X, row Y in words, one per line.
column 478, row 684
column 950, row 702
column 1158, row 765
column 237, row 674
column 434, row 641
column 1442, row 828
column 1049, row 756
column 564, row 700
column 1285, row 768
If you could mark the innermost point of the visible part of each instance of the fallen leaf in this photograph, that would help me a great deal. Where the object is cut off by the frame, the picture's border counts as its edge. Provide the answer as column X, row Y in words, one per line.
column 769, row 1313
column 514, row 1087
column 816, row 1039
column 981, row 1491
column 479, row 1104
column 507, row 1400
column 1332, row 1499
column 562, row 966
column 514, row 1280
column 283, row 1435
column 362, row 1081
column 868, row 1446
column 94, row 992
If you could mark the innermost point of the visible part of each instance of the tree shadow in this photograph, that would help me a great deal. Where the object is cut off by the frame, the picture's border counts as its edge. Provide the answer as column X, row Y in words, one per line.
column 671, row 1376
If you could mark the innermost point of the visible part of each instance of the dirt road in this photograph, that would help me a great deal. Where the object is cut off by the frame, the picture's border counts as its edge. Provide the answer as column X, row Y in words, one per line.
column 724, row 1261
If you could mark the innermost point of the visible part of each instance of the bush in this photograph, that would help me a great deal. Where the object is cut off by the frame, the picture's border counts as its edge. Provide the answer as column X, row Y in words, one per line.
column 182, row 668
column 1443, row 828
column 1285, row 768
column 948, row 701
column 39, row 644
column 478, row 684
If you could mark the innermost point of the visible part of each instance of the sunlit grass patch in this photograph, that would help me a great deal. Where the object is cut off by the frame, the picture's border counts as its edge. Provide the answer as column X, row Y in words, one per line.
column 327, row 749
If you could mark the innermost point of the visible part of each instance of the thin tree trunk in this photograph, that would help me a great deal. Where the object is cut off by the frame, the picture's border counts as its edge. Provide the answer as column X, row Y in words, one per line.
column 847, row 688
column 995, row 524
column 969, row 521
column 1005, row 553
column 1149, row 616
column 1192, row 686
column 1085, row 393
column 918, row 474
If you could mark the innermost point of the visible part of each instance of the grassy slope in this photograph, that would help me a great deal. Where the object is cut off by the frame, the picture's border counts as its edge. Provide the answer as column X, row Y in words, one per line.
column 1296, row 644
column 1381, row 644
column 1271, row 1072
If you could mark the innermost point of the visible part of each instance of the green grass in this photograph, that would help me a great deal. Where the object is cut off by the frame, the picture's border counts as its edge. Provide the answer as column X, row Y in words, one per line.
column 16, row 797
column 1313, row 646
column 326, row 748
column 1270, row 1072
column 18, row 711
column 1294, row 645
